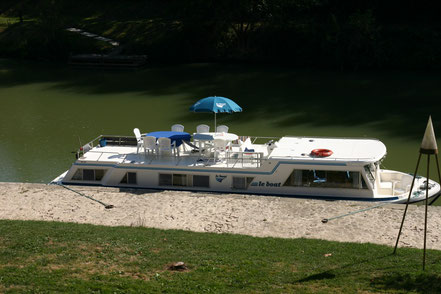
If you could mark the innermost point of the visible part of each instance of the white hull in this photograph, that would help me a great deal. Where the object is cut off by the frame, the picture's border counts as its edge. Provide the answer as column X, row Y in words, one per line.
column 305, row 177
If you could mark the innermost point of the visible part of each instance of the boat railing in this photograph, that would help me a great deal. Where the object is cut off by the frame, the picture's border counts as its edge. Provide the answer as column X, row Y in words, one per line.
column 243, row 159
column 113, row 140
column 257, row 140
column 231, row 158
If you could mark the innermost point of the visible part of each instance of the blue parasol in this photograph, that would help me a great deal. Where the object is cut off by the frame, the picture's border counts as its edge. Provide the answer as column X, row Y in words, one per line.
column 215, row 104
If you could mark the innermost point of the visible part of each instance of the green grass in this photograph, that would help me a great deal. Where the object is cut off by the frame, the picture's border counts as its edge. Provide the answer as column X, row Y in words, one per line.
column 50, row 256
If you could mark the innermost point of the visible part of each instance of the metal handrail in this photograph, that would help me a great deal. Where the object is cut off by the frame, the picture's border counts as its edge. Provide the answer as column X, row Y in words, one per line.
column 255, row 157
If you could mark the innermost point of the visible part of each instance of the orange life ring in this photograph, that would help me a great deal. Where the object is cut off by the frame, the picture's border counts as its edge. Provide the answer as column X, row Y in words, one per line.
column 321, row 152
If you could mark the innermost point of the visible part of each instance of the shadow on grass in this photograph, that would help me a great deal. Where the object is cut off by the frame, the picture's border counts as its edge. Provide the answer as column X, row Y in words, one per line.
column 335, row 272
column 387, row 272
column 423, row 283
column 317, row 277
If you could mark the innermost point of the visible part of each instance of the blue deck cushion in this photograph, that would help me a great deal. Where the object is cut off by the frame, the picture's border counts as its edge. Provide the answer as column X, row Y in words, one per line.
column 177, row 137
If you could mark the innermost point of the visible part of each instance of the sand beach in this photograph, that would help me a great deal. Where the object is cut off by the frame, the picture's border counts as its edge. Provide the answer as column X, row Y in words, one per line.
column 260, row 216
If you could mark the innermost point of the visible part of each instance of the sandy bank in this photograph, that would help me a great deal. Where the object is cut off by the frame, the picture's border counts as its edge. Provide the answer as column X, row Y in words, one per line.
column 260, row 216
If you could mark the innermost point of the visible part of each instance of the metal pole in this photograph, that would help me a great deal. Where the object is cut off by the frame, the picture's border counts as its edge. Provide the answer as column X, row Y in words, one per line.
column 407, row 203
column 437, row 167
column 439, row 177
column 425, row 216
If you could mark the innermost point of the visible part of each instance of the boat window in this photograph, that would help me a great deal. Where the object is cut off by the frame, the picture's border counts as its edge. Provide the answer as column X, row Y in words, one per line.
column 179, row 180
column 173, row 180
column 326, row 179
column 129, row 178
column 183, row 180
column 370, row 171
column 89, row 174
column 165, row 179
column 241, row 182
column 99, row 174
column 78, row 176
column 201, row 181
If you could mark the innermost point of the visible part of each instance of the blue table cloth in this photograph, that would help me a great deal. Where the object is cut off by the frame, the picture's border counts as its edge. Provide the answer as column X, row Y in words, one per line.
column 175, row 137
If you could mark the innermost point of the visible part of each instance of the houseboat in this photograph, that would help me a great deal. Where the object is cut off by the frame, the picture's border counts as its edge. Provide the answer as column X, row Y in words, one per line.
column 306, row 167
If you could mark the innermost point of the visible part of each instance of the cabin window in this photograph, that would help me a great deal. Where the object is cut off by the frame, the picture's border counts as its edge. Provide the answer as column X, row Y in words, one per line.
column 165, row 179
column 201, row 181
column 326, row 179
column 129, row 178
column 241, row 182
column 89, row 174
column 179, row 180
column 184, row 180
column 78, row 176
column 370, row 171
column 99, row 174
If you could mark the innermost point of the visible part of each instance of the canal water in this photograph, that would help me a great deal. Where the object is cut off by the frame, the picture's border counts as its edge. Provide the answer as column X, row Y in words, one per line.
column 49, row 110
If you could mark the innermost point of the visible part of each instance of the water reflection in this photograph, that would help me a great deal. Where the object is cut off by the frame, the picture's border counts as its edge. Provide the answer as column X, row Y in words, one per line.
column 48, row 110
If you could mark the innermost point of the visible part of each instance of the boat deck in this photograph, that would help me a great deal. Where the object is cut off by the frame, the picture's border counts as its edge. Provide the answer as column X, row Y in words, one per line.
column 344, row 149
column 236, row 155
column 128, row 155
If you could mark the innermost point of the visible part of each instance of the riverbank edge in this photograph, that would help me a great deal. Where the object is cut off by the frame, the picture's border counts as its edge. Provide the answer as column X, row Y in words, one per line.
column 258, row 216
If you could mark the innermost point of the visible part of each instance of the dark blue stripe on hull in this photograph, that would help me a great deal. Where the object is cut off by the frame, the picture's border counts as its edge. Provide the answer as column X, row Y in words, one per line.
column 249, row 193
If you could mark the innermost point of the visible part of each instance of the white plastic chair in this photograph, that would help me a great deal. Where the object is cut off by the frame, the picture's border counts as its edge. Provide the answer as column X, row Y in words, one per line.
column 139, row 142
column 220, row 146
column 202, row 129
column 177, row 128
column 164, row 146
column 149, row 144
column 222, row 129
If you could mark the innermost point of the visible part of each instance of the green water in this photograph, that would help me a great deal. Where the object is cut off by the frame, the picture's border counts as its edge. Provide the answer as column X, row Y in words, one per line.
column 46, row 109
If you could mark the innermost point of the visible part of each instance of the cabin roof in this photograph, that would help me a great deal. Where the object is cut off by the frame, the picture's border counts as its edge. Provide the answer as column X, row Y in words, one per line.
column 344, row 149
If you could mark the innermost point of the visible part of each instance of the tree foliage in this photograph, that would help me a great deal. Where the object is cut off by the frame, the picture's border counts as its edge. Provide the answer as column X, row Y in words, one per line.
column 319, row 33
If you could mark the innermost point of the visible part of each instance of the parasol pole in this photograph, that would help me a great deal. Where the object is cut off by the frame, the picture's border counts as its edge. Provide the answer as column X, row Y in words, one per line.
column 428, row 147
column 215, row 121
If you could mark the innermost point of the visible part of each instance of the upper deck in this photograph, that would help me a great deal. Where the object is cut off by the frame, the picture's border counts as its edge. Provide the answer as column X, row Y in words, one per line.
column 236, row 155
column 344, row 149
column 123, row 150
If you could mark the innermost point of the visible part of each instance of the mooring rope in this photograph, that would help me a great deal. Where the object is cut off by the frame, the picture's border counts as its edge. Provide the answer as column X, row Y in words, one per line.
column 325, row 220
column 107, row 206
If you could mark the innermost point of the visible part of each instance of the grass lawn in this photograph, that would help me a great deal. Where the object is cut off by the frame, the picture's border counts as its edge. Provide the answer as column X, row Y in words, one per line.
column 65, row 257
